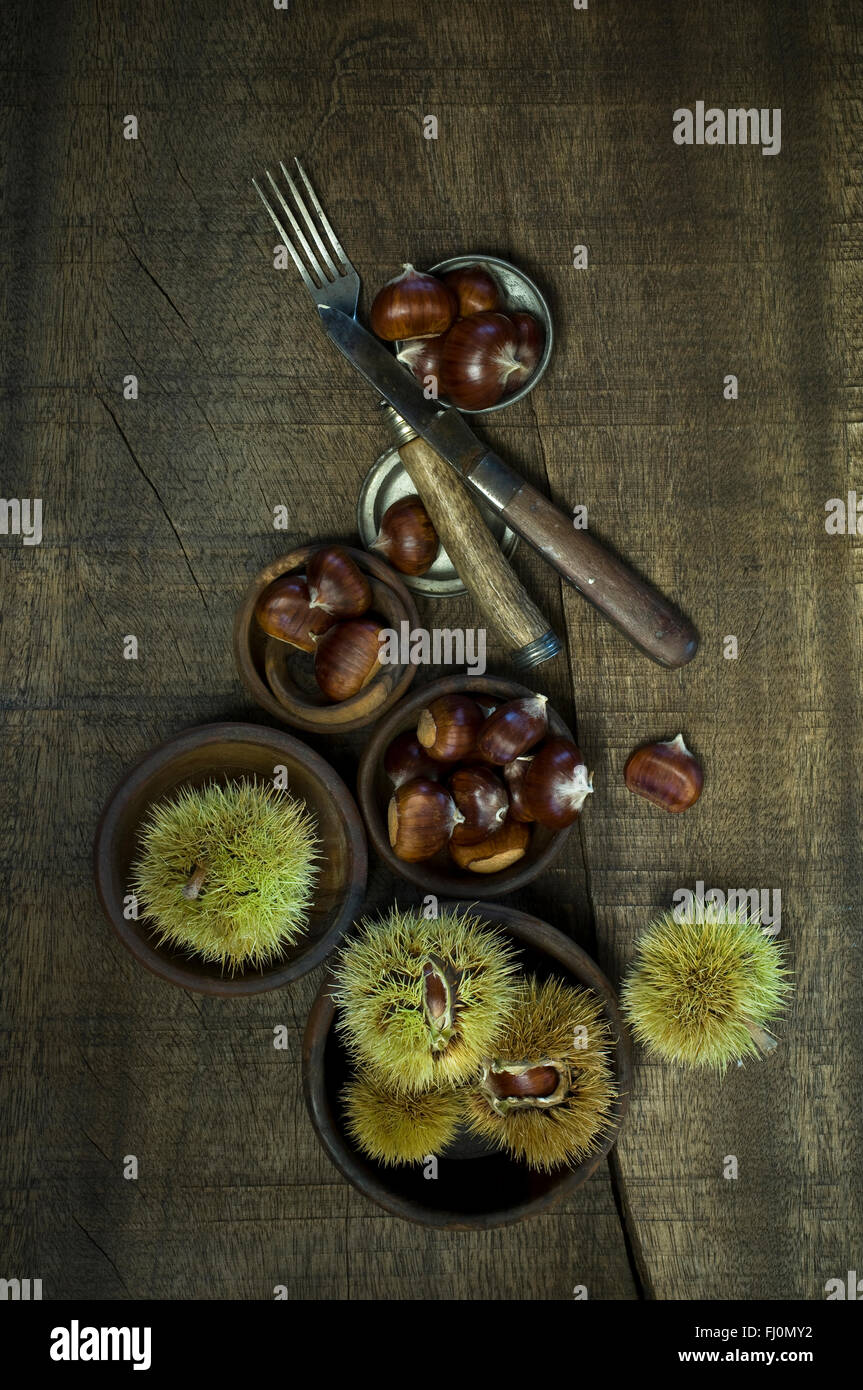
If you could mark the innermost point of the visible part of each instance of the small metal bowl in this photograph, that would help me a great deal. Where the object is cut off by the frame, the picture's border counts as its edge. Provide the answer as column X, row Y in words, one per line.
column 520, row 295
column 386, row 482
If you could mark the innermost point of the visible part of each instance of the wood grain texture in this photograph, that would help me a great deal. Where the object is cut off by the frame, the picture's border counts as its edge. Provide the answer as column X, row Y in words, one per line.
column 153, row 257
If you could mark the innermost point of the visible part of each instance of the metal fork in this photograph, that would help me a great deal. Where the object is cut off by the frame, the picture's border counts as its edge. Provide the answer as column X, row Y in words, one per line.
column 338, row 284
column 334, row 284
column 457, row 456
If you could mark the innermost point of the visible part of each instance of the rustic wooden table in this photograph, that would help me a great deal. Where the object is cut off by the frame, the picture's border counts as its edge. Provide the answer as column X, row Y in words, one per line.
column 152, row 257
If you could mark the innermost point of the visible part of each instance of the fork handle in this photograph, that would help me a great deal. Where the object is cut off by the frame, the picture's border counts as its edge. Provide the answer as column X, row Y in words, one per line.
column 496, row 590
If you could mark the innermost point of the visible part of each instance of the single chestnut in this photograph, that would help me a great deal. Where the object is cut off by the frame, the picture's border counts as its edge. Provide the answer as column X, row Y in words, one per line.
column 481, row 798
column 348, row 657
column 422, row 357
column 337, row 584
column 505, row 847
column 406, row 537
column 420, row 819
column 528, row 350
column 478, row 358
column 412, row 305
column 284, row 611
column 520, row 1085
column 513, row 775
column 448, row 727
column 667, row 774
column 475, row 289
column 556, row 784
column 406, row 759
column 513, row 728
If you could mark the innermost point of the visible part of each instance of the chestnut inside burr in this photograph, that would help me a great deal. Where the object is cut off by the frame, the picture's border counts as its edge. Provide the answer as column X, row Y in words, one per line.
column 435, row 991
column 192, row 889
column 537, row 1082
column 438, row 1005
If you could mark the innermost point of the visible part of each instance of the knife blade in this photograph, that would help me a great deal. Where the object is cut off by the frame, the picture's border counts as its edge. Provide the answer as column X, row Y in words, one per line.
column 621, row 595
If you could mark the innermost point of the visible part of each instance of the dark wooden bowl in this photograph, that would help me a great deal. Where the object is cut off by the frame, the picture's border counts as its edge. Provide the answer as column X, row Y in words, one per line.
column 476, row 1188
column 281, row 679
column 224, row 753
column 441, row 875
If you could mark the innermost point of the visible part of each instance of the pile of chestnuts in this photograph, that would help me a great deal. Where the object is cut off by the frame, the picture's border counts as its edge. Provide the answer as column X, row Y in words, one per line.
column 474, row 775
column 456, row 330
column 325, row 612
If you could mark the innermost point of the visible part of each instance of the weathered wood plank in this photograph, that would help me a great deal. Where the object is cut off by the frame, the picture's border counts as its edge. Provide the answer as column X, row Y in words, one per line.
column 152, row 257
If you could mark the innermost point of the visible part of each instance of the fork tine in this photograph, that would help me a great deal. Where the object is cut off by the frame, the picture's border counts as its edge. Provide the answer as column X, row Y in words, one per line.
column 286, row 240
column 298, row 231
column 334, row 241
column 319, row 241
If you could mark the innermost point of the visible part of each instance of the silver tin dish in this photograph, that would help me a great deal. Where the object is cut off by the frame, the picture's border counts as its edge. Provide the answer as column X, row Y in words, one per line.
column 520, row 295
column 387, row 481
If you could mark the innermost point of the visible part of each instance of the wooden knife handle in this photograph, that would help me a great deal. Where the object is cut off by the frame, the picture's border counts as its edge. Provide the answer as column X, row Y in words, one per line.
column 485, row 572
column 626, row 600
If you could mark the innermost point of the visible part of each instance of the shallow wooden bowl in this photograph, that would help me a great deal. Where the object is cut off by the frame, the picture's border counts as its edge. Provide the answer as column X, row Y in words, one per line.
column 225, row 753
column 441, row 875
column 476, row 1188
column 281, row 679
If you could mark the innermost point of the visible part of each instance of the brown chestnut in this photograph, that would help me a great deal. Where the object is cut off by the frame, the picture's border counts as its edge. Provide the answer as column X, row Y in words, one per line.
column 337, row 584
column 556, row 784
column 481, row 798
column 513, row 775
column 475, row 289
column 283, row 611
column 348, row 657
column 422, row 357
column 519, row 1085
column 477, row 360
column 447, row 729
column 406, row 759
column 666, row 774
column 499, row 851
column 528, row 350
column 412, row 305
column 513, row 728
column 406, row 537
column 420, row 819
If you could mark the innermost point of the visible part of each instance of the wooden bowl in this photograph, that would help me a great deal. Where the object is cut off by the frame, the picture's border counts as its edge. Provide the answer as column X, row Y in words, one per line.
column 224, row 753
column 281, row 679
column 476, row 1188
column 441, row 875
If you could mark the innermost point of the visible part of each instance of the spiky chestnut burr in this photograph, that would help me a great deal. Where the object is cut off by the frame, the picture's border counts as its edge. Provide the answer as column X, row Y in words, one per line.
column 701, row 990
column 547, row 1093
column 422, row 1000
column 228, row 872
column 399, row 1127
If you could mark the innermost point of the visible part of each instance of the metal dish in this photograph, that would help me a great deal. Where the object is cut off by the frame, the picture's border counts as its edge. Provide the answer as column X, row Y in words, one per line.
column 520, row 295
column 387, row 481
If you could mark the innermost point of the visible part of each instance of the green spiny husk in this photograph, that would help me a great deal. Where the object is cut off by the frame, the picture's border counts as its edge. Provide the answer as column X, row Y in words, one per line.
column 259, row 847
column 398, row 1126
column 552, row 1020
column 379, row 992
column 696, row 983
